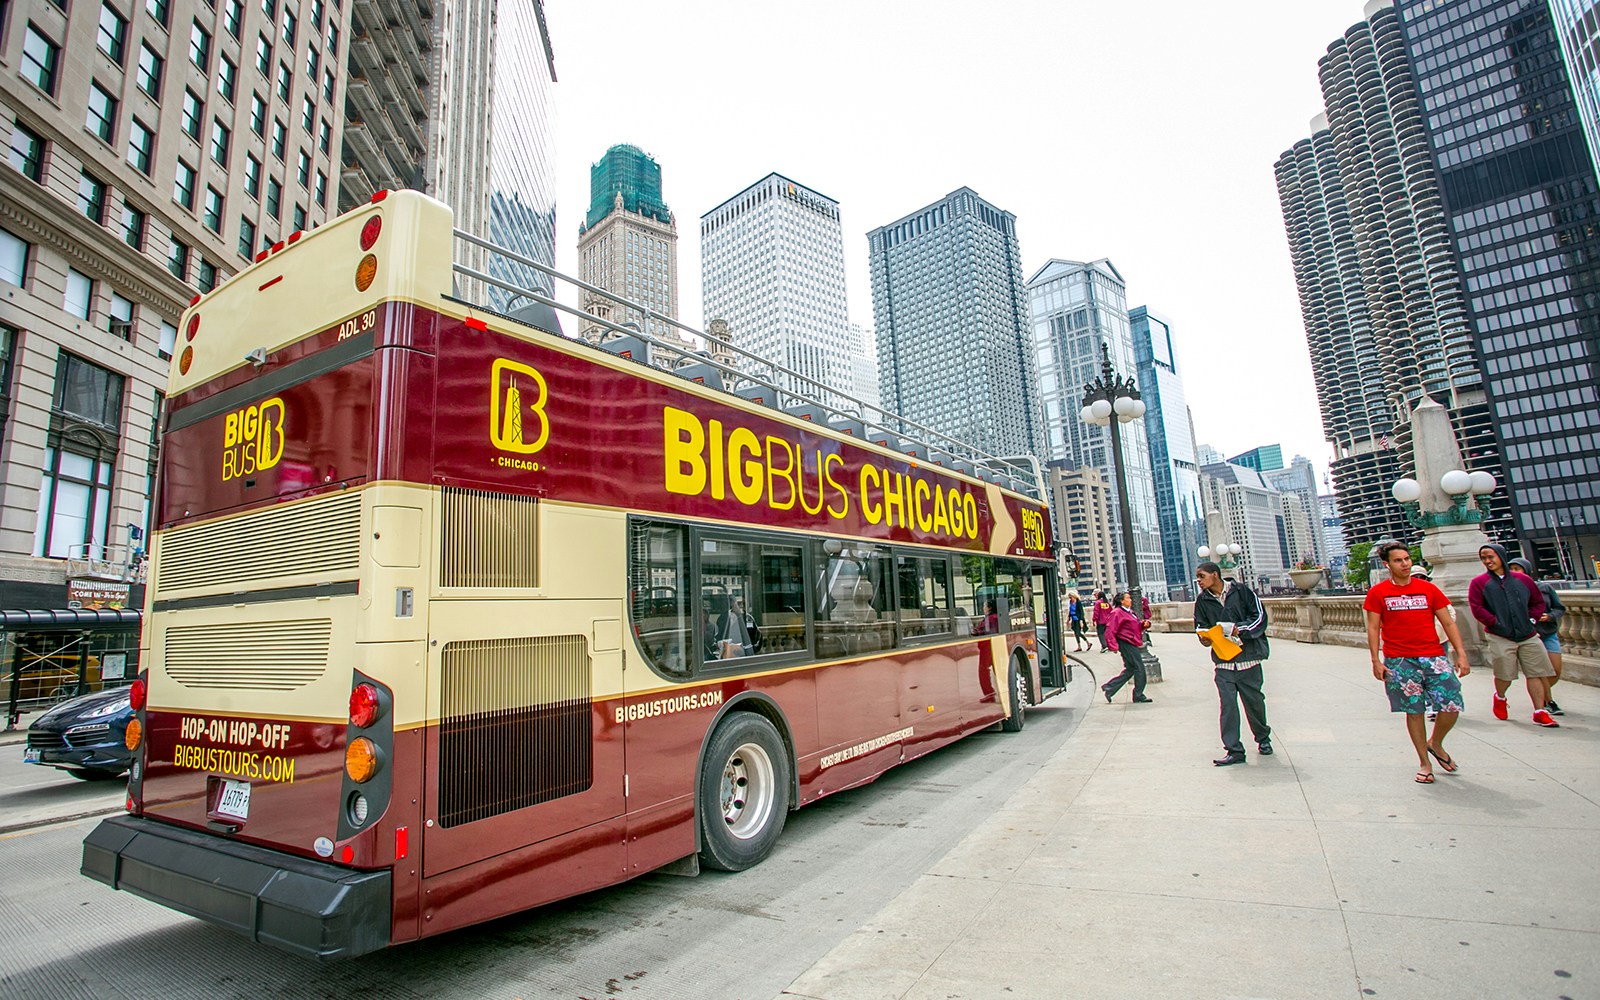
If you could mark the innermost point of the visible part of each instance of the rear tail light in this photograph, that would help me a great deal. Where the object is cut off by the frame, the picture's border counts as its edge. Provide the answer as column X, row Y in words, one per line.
column 361, row 760
column 194, row 327
column 136, row 694
column 363, row 705
column 370, row 231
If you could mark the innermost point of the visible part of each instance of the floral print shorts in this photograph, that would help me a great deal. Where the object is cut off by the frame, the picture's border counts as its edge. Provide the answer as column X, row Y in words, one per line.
column 1422, row 683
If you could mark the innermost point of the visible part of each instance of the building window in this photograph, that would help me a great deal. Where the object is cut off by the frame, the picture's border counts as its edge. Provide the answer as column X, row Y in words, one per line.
column 279, row 135
column 284, row 80
column 322, row 189
column 333, row 37
column 200, row 47
column 150, row 63
column 80, row 294
column 169, row 341
column 13, row 258
column 227, row 79
column 213, row 213
column 205, row 277
column 27, row 153
column 102, row 116
column 41, row 58
column 288, row 26
column 264, row 56
column 193, row 111
column 274, row 198
column 91, row 197
column 258, row 115
column 311, row 66
column 8, row 347
column 270, row 9
column 221, row 137
column 132, row 225
column 233, row 17
column 75, row 495
column 308, row 113
column 113, row 39
column 158, row 10
column 299, row 217
column 247, row 238
column 327, row 85
column 183, row 186
column 141, row 145
column 303, row 169
column 120, row 317
column 324, row 136
column 316, row 15
column 178, row 259
column 252, row 176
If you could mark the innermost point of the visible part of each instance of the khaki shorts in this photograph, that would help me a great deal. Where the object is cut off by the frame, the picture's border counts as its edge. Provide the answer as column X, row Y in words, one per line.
column 1508, row 658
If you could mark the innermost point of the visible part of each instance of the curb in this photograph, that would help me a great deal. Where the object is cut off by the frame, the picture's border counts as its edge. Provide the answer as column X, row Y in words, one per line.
column 53, row 820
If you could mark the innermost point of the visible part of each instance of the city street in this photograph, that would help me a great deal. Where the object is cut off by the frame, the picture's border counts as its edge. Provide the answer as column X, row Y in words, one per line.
column 723, row 936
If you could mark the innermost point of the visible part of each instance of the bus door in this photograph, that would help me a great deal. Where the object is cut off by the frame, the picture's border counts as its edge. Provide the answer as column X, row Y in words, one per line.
column 525, row 750
column 1049, row 630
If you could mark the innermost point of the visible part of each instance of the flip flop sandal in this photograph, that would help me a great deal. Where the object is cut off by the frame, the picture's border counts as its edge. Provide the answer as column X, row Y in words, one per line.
column 1424, row 778
column 1446, row 762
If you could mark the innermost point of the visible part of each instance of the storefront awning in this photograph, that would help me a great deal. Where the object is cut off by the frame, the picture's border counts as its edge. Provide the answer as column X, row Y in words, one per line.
column 67, row 618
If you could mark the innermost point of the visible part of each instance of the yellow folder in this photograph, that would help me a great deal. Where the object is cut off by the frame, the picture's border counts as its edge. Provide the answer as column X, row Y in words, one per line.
column 1224, row 647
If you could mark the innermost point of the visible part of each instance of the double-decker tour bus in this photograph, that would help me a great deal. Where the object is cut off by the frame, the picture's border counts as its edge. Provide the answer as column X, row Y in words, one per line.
column 451, row 616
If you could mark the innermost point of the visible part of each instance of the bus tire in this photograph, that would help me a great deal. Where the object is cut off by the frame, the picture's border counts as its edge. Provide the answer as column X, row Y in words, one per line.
column 1017, row 679
column 743, row 793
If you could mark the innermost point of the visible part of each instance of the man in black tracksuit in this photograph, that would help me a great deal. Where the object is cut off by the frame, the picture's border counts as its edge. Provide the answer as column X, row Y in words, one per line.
column 1243, row 619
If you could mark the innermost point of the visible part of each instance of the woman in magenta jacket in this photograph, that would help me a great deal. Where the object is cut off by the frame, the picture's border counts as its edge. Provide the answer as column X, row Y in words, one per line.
column 1125, row 635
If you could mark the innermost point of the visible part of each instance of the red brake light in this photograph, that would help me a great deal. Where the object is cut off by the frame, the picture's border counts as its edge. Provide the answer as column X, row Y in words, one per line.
column 136, row 694
column 363, row 706
column 370, row 231
column 194, row 327
column 380, row 196
column 194, row 301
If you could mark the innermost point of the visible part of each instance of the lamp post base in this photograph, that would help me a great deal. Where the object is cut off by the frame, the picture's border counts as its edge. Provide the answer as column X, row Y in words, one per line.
column 1152, row 666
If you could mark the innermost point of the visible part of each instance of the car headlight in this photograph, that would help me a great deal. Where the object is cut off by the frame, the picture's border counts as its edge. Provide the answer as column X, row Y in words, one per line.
column 109, row 708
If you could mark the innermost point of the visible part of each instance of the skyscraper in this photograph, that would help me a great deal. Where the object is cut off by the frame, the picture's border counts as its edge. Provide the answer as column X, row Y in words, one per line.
column 522, row 159
column 1180, row 512
column 1578, row 30
column 1253, row 515
column 772, row 265
column 1299, row 479
column 628, row 245
column 1382, row 298
column 1519, row 188
column 1076, row 309
column 952, row 324
column 1262, row 458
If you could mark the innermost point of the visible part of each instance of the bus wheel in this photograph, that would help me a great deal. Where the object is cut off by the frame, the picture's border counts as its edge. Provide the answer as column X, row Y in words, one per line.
column 744, row 793
column 1018, row 679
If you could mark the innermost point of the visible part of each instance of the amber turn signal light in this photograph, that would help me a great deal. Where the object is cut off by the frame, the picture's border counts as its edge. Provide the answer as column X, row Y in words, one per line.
column 134, row 735
column 185, row 360
column 366, row 271
column 361, row 759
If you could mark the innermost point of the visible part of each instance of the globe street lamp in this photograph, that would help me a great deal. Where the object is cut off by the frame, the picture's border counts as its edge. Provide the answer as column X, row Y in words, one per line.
column 1226, row 556
column 1455, row 484
column 1108, row 396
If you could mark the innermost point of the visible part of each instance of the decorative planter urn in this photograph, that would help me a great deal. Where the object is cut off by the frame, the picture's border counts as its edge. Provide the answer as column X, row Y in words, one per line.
column 1307, row 579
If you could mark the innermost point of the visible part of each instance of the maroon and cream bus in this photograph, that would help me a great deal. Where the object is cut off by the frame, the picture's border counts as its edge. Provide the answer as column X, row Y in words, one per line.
column 451, row 616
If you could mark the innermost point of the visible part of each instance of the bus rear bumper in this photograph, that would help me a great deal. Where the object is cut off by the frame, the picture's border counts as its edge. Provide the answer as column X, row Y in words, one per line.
column 301, row 906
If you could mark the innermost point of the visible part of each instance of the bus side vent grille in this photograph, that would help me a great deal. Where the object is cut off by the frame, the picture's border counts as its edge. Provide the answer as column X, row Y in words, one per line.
column 321, row 536
column 488, row 539
column 255, row 656
column 516, row 727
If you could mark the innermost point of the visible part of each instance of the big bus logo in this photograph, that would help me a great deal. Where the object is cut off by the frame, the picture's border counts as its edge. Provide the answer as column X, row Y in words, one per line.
column 252, row 439
column 517, row 396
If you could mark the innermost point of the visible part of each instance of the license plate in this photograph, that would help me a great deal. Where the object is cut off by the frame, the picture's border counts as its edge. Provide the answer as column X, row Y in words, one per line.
column 235, row 800
column 30, row 755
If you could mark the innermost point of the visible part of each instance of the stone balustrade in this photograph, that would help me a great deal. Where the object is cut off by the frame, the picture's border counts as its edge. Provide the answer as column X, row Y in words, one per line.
column 1340, row 621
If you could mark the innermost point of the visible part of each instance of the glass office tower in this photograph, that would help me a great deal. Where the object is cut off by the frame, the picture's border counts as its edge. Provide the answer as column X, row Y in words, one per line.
column 1173, row 464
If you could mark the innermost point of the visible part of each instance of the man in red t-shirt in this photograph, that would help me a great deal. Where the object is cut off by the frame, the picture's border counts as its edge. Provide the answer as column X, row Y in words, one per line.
column 1401, row 613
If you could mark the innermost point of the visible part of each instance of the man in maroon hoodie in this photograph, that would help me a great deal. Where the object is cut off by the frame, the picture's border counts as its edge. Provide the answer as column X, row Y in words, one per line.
column 1508, row 603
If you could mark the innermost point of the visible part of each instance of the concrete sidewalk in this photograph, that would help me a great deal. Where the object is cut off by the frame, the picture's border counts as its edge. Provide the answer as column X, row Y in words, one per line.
column 1131, row 867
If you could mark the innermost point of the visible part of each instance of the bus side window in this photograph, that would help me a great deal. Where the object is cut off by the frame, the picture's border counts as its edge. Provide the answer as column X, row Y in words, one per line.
column 659, row 584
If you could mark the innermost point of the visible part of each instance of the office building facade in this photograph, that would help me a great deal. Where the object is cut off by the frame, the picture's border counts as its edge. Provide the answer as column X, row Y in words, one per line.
column 522, row 155
column 1577, row 24
column 628, row 245
column 1262, row 458
column 1519, row 189
column 1299, row 479
column 155, row 148
column 1252, row 516
column 1175, row 468
column 1076, row 310
column 1083, row 501
column 772, row 265
column 951, row 317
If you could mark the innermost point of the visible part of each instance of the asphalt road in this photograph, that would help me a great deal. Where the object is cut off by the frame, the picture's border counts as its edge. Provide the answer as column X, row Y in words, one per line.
column 745, row 935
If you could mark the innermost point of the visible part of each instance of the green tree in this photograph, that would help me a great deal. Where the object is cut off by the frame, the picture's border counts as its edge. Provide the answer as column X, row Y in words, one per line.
column 1356, row 570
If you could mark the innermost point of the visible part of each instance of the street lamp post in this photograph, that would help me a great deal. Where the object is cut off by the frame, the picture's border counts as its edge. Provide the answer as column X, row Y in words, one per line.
column 1107, row 397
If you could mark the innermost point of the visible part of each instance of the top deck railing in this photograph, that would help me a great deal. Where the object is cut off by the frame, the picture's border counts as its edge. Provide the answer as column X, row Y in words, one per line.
column 752, row 376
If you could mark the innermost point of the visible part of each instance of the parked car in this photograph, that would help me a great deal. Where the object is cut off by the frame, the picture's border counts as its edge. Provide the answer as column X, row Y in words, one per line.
column 84, row 736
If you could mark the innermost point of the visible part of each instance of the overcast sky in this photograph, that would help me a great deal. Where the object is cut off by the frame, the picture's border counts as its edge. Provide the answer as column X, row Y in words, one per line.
column 1143, row 131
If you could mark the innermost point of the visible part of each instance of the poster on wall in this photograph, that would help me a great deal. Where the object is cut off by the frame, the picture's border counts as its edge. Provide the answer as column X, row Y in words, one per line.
column 97, row 595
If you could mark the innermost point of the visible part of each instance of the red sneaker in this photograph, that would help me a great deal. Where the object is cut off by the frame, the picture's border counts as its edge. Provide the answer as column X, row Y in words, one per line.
column 1543, row 718
column 1500, row 708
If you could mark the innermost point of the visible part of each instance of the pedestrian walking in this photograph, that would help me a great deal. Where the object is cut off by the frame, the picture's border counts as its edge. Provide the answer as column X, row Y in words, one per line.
column 1235, row 607
column 1125, row 633
column 1402, row 613
column 1102, row 611
column 1547, row 627
column 1075, row 615
column 1144, row 615
column 1507, row 603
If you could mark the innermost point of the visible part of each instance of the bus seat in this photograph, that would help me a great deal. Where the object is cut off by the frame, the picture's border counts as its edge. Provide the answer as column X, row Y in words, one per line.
column 699, row 371
column 755, row 392
column 628, row 347
column 849, row 426
column 807, row 411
